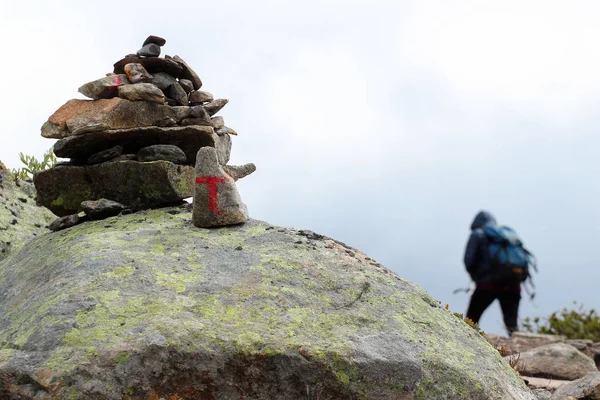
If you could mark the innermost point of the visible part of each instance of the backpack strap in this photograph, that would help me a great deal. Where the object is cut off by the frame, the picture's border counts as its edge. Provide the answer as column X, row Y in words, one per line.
column 532, row 259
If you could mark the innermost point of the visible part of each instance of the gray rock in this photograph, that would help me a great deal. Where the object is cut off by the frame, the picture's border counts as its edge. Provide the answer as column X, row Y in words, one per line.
column 163, row 81
column 137, row 185
column 586, row 388
column 557, row 360
column 172, row 102
column 217, row 201
column 177, row 93
column 215, row 106
column 171, row 88
column 104, row 88
column 542, row 394
column 187, row 85
column 105, row 155
column 101, row 208
column 188, row 73
column 148, row 306
column 137, row 73
column 149, row 50
column 142, row 92
column 239, row 171
column 198, row 112
column 157, row 40
column 164, row 152
column 200, row 97
column 187, row 138
column 223, row 146
column 65, row 222
column 217, row 122
column 20, row 218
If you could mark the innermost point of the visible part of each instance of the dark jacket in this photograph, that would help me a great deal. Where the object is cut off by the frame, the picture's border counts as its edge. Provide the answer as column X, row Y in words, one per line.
column 476, row 261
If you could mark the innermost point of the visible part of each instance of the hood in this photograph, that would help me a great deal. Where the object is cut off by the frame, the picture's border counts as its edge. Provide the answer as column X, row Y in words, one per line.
column 481, row 219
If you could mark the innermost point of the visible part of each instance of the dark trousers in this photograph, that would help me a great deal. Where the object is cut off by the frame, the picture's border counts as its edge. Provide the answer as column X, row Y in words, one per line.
column 509, row 303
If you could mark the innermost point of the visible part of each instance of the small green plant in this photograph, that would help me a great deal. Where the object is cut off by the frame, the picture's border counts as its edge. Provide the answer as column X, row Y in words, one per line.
column 577, row 323
column 468, row 321
column 33, row 165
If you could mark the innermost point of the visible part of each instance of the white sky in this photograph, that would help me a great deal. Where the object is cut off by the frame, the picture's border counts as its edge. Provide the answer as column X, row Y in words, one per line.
column 385, row 124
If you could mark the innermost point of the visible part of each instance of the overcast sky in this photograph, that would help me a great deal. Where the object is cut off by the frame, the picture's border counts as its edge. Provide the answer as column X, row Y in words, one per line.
column 385, row 124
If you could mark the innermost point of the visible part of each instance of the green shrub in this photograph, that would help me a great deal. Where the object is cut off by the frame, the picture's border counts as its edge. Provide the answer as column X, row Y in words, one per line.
column 573, row 324
column 33, row 165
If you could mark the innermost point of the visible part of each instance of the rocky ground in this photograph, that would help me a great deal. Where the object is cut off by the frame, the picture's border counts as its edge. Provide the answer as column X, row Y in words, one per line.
column 556, row 368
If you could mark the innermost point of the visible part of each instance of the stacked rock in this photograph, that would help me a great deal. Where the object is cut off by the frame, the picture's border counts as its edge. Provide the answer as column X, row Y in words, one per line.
column 136, row 142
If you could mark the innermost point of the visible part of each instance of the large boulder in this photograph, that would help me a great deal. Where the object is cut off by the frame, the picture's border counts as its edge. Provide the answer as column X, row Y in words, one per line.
column 146, row 306
column 20, row 218
column 188, row 138
column 137, row 185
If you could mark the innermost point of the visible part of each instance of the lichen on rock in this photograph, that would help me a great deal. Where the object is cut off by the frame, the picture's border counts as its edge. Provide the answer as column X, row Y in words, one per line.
column 146, row 304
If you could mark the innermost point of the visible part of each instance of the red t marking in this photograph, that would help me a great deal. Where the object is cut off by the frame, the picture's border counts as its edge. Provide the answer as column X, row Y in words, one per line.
column 211, row 182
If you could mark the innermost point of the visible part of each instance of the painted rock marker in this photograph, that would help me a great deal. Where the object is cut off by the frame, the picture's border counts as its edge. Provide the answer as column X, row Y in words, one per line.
column 217, row 201
column 211, row 182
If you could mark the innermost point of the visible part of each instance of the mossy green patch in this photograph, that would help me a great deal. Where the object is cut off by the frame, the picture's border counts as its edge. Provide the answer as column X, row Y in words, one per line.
column 121, row 357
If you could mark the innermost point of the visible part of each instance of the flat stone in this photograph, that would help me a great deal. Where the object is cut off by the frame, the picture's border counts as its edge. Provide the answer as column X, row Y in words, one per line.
column 101, row 208
column 104, row 88
column 136, row 73
column 164, row 152
column 105, row 155
column 155, row 39
column 557, row 360
column 189, row 139
column 200, row 97
column 142, row 92
column 187, row 85
column 215, row 106
column 217, row 122
column 239, row 171
column 65, row 222
column 153, row 65
column 217, row 201
column 116, row 113
column 131, row 183
column 188, row 73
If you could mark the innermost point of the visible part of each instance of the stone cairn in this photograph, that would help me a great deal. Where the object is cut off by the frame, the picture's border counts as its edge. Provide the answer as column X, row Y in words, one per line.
column 135, row 144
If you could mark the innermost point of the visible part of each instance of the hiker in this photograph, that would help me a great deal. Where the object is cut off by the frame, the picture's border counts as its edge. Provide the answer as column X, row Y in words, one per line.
column 498, row 264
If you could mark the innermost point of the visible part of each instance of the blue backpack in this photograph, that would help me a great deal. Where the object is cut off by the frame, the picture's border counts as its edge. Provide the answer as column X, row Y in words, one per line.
column 509, row 260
